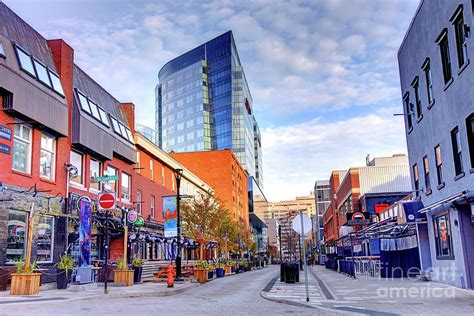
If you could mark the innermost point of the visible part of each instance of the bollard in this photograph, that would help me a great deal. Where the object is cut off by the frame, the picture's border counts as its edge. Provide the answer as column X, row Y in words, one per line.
column 171, row 273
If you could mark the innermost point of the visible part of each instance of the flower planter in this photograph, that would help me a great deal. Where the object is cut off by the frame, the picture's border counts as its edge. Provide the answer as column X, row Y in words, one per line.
column 228, row 270
column 219, row 272
column 63, row 278
column 25, row 283
column 123, row 276
column 137, row 275
column 201, row 275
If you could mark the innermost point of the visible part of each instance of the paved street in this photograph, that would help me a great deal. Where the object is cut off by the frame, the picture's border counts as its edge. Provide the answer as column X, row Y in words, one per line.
column 233, row 295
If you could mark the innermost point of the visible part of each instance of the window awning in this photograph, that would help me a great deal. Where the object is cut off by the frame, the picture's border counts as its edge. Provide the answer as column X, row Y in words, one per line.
column 462, row 198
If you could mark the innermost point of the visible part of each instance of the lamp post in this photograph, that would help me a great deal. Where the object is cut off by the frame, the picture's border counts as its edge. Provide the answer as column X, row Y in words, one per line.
column 178, row 173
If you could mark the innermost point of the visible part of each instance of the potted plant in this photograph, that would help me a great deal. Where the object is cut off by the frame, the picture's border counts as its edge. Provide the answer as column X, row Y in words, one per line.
column 200, row 273
column 228, row 267
column 220, row 266
column 25, row 281
column 64, row 269
column 243, row 266
column 137, row 266
column 122, row 274
column 210, row 271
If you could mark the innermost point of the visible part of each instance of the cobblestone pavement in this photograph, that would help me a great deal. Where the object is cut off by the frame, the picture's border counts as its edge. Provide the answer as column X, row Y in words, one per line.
column 234, row 295
column 374, row 296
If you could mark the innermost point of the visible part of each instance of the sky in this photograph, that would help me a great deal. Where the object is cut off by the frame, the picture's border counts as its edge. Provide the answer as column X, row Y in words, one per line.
column 323, row 74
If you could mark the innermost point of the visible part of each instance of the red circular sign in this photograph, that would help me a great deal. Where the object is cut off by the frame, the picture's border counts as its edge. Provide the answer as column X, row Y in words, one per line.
column 106, row 201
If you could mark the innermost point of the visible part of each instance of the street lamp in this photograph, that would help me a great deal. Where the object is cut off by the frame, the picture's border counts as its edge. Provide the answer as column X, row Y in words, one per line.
column 178, row 173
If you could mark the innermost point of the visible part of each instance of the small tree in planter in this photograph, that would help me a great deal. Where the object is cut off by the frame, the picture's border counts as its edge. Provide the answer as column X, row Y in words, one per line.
column 123, row 274
column 25, row 281
column 137, row 266
column 210, row 271
column 200, row 273
column 229, row 266
column 64, row 268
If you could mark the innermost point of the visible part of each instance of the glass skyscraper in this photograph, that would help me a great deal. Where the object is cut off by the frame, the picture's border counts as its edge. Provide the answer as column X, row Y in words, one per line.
column 203, row 102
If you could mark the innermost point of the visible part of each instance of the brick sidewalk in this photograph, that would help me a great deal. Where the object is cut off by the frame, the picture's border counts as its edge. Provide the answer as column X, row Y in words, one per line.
column 373, row 296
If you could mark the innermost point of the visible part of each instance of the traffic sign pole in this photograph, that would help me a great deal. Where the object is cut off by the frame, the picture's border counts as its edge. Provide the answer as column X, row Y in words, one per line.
column 304, row 252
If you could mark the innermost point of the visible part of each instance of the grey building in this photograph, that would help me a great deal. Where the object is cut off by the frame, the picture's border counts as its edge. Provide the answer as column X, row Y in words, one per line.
column 322, row 200
column 203, row 102
column 146, row 131
column 437, row 87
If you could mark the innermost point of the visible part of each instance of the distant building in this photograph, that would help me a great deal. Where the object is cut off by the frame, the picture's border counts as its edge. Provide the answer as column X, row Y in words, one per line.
column 146, row 131
column 322, row 199
column 358, row 190
column 436, row 79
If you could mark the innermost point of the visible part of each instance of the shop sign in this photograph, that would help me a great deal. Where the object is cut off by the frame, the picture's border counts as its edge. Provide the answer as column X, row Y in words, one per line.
column 5, row 132
column 132, row 217
column 358, row 218
column 5, row 149
column 170, row 216
column 139, row 222
column 85, row 230
column 106, row 201
column 380, row 207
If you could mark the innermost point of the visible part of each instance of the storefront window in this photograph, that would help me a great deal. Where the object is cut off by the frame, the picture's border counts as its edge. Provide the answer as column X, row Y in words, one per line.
column 442, row 229
column 44, row 232
column 16, row 235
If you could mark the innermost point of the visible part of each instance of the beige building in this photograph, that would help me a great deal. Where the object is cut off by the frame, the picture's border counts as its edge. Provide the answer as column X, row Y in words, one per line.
column 281, row 209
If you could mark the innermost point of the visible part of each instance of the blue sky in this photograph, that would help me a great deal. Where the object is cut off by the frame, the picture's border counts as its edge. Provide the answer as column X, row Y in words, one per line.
column 323, row 74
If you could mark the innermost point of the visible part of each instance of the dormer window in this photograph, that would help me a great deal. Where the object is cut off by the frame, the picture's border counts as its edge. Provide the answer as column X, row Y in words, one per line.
column 84, row 103
column 26, row 64
column 103, row 117
column 115, row 125
column 56, row 82
column 95, row 111
column 42, row 73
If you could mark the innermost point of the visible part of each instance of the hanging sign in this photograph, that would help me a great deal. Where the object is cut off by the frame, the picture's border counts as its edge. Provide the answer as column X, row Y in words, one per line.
column 106, row 201
column 139, row 222
column 5, row 132
column 5, row 149
column 170, row 216
column 358, row 218
column 85, row 230
column 132, row 217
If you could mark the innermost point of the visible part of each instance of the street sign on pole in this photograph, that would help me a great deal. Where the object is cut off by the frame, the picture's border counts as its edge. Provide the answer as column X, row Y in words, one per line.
column 304, row 229
column 107, row 201
column 302, row 218
column 105, row 178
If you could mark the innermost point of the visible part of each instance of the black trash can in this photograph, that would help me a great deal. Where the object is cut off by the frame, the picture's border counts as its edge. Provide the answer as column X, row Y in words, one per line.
column 290, row 275
column 282, row 272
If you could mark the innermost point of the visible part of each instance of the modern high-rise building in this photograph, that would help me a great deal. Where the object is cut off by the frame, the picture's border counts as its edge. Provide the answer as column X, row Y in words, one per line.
column 322, row 199
column 203, row 103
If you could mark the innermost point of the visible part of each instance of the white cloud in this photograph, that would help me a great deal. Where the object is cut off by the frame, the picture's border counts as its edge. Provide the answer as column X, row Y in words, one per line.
column 297, row 155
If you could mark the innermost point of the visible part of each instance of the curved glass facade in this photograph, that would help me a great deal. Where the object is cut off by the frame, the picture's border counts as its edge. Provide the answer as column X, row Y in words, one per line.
column 203, row 103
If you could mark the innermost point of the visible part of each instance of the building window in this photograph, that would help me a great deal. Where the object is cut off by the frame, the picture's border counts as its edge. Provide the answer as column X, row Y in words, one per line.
column 42, row 73
column 151, row 170
column 416, row 178
column 16, row 235
column 439, row 165
column 95, row 171
column 470, row 137
column 125, row 189
column 426, row 168
column 84, row 103
column 445, row 57
column 112, row 185
column 416, row 88
column 56, row 82
column 408, row 112
column 457, row 153
column 44, row 239
column 163, row 176
column 138, row 162
column 21, row 160
column 26, row 64
column 139, row 202
column 172, row 183
column 429, row 83
column 152, row 206
column 48, row 157
column 2, row 51
column 461, row 45
column 442, row 230
column 77, row 160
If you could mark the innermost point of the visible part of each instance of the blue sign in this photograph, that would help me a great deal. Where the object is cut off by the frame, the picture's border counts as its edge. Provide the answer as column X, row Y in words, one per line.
column 170, row 216
column 85, row 231
column 5, row 149
column 5, row 132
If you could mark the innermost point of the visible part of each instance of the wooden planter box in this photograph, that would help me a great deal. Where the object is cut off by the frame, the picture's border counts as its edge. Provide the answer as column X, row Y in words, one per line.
column 201, row 275
column 228, row 270
column 25, row 283
column 123, row 276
